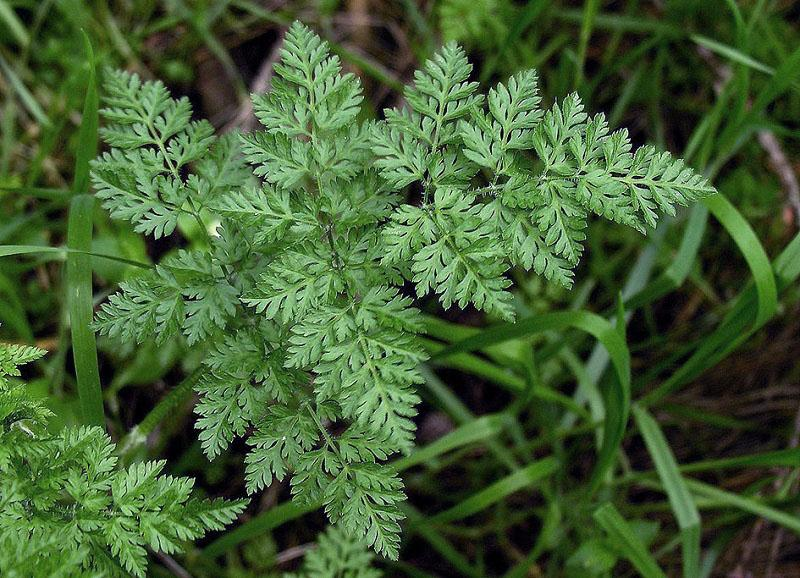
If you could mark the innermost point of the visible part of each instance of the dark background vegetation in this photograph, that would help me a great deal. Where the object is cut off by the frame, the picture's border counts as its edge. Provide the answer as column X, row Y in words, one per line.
column 715, row 81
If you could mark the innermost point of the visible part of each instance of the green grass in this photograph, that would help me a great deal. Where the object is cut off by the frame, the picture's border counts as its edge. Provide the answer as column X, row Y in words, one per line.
column 680, row 499
column 80, row 298
column 625, row 539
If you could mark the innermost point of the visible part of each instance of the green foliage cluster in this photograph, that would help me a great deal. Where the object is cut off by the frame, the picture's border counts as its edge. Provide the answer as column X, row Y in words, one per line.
column 475, row 22
column 311, row 349
column 511, row 186
column 68, row 509
column 337, row 555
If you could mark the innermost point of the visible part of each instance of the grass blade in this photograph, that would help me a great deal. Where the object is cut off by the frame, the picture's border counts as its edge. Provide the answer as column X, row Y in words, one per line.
column 787, row 264
column 753, row 252
column 480, row 429
column 137, row 435
column 257, row 526
column 498, row 491
column 13, row 250
column 448, row 401
column 12, row 311
column 678, row 493
column 38, row 192
column 62, row 252
column 745, row 504
column 627, row 542
column 677, row 272
column 79, row 266
column 552, row 524
column 786, row 458
column 17, row 29
column 590, row 10
column 79, row 302
column 368, row 66
column 419, row 23
column 785, row 77
column 23, row 93
column 596, row 364
column 731, row 53
column 622, row 23
column 87, row 133
column 476, row 366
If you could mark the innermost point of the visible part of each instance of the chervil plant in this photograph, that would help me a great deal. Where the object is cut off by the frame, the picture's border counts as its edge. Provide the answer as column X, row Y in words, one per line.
column 311, row 347
column 338, row 555
column 69, row 510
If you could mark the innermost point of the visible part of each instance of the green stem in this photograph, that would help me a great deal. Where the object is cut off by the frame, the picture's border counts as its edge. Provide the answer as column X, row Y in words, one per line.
column 447, row 331
column 175, row 398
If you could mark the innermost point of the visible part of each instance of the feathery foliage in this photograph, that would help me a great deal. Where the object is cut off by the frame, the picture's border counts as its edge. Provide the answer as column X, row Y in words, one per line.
column 475, row 22
column 311, row 348
column 337, row 555
column 68, row 509
column 507, row 184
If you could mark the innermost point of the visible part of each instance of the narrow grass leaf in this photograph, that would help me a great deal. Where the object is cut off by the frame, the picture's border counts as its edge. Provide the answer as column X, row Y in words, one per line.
column 621, row 325
column 62, row 252
column 746, row 504
column 625, row 540
column 677, row 272
column 476, row 366
column 12, row 311
column 177, row 396
column 24, row 95
column 368, row 66
column 529, row 13
column 753, row 252
column 731, row 53
column 622, row 23
column 461, row 414
column 737, row 17
column 13, row 250
column 478, row 430
column 87, row 133
column 678, row 493
column 13, row 24
column 786, row 76
column 596, row 364
column 276, row 17
column 498, row 491
column 257, row 526
column 590, row 10
column 80, row 304
column 787, row 264
column 79, row 266
column 419, row 22
column 786, row 458
column 552, row 524
column 710, row 418
column 38, row 192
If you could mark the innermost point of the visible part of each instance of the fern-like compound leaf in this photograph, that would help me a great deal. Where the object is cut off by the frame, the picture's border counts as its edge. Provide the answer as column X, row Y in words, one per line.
column 337, row 555
column 69, row 510
column 310, row 350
